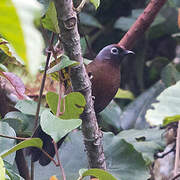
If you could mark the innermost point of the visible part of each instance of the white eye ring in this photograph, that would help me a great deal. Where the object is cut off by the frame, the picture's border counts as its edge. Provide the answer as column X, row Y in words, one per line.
column 114, row 50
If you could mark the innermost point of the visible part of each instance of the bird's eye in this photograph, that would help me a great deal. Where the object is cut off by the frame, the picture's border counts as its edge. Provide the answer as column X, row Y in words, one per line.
column 114, row 50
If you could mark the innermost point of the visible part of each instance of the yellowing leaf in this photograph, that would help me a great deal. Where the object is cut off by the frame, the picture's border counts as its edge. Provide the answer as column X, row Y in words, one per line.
column 96, row 3
column 2, row 169
column 124, row 94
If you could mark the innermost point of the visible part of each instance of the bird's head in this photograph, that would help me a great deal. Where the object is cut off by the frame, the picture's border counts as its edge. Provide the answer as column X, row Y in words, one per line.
column 113, row 53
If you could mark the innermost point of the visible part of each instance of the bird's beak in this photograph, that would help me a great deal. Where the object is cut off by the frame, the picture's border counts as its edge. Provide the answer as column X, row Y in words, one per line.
column 126, row 52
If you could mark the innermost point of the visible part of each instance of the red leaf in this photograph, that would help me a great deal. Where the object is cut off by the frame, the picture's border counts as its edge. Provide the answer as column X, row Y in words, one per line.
column 17, row 84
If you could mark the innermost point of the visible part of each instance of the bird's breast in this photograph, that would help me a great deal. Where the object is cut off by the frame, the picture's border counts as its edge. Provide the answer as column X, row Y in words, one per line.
column 105, row 78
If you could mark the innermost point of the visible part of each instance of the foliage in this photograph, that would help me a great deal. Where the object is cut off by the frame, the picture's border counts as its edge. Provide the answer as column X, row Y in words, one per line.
column 129, row 153
column 23, row 37
column 167, row 105
column 126, row 154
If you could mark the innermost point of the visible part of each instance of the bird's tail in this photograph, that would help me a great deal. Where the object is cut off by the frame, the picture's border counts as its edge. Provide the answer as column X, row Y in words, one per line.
column 48, row 146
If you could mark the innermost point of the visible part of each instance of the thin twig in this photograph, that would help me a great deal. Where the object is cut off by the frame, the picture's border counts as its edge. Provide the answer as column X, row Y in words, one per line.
column 32, row 170
column 43, row 81
column 51, row 158
column 4, row 42
column 177, row 150
column 40, row 95
column 165, row 154
column 81, row 5
column 175, row 177
column 16, row 138
column 59, row 162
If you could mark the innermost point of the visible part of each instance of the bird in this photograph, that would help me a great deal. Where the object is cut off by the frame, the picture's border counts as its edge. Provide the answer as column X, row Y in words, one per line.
column 104, row 73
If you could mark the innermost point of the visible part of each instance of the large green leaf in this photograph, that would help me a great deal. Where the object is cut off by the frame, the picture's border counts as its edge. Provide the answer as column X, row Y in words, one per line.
column 74, row 104
column 35, row 142
column 146, row 141
column 122, row 159
column 17, row 27
column 28, row 107
column 50, row 21
column 6, row 143
column 21, row 123
column 56, row 127
column 168, row 105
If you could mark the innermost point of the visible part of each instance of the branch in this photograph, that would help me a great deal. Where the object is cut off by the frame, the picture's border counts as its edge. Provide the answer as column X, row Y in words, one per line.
column 142, row 23
column 70, row 39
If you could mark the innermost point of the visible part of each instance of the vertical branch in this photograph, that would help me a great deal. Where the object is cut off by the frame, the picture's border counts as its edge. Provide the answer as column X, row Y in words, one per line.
column 67, row 20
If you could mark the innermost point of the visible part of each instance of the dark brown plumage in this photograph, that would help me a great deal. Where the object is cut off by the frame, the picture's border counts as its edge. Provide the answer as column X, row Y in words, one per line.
column 104, row 73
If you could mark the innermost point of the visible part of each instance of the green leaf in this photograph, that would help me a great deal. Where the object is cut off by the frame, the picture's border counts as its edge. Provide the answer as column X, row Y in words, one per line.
column 28, row 107
column 124, row 94
column 50, row 21
column 11, row 172
column 170, row 75
column 96, row 3
column 168, row 105
column 56, row 127
column 2, row 169
column 35, row 142
column 74, row 104
column 4, row 47
column 158, row 20
column 22, row 35
column 6, row 143
column 136, row 13
column 21, row 123
column 110, row 117
column 65, row 62
column 146, row 141
column 99, row 173
column 170, row 119
column 124, row 23
column 89, row 20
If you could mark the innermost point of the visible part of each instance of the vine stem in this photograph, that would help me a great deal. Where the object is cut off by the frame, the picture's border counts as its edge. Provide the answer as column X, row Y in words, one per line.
column 16, row 138
column 43, row 81
column 58, row 160
column 40, row 95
